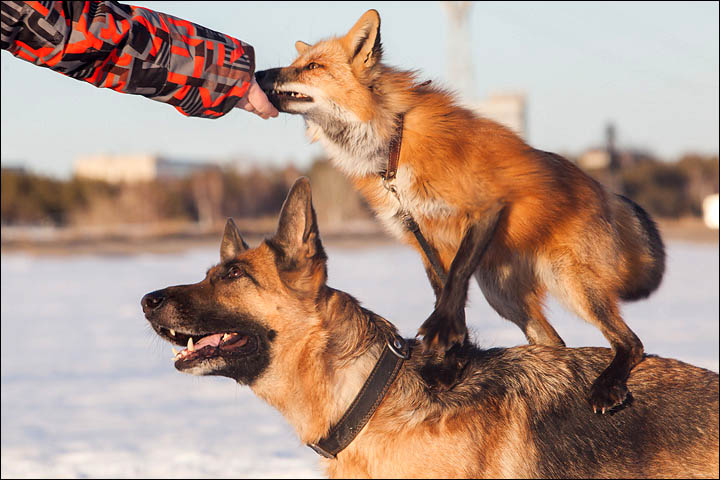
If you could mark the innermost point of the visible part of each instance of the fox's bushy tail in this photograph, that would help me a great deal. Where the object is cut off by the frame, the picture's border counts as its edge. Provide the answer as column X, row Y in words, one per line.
column 649, row 276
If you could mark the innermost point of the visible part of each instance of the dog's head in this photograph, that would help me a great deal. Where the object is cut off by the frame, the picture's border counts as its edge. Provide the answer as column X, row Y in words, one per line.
column 336, row 76
column 252, row 304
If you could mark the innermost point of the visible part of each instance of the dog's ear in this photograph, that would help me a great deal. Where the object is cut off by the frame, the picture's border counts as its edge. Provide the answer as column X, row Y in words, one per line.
column 301, row 47
column 297, row 233
column 301, row 259
column 232, row 243
column 363, row 41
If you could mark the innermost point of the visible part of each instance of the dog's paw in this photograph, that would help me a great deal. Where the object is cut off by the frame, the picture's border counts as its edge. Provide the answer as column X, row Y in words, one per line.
column 607, row 394
column 441, row 331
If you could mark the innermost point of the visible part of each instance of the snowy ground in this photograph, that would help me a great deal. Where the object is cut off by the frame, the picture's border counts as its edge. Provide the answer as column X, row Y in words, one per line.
column 89, row 391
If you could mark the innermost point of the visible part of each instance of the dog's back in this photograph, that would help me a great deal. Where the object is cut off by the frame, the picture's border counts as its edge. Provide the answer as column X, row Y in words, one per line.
column 523, row 412
column 668, row 428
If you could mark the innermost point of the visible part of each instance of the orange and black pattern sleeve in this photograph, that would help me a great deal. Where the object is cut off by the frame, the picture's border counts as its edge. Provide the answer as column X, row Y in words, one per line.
column 202, row 73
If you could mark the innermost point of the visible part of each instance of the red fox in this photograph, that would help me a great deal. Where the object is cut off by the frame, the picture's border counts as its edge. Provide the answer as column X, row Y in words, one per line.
column 522, row 221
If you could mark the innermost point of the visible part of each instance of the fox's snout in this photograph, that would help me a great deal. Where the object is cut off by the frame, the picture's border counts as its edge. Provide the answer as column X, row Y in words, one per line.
column 266, row 78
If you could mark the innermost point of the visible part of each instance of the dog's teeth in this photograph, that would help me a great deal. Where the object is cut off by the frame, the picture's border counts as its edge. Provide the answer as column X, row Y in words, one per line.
column 172, row 332
column 175, row 351
column 190, row 345
column 225, row 337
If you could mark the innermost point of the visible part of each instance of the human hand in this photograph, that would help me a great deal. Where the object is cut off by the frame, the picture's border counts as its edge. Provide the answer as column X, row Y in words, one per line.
column 255, row 101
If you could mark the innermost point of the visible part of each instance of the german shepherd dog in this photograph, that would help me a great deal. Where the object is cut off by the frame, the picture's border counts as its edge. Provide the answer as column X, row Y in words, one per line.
column 524, row 222
column 266, row 318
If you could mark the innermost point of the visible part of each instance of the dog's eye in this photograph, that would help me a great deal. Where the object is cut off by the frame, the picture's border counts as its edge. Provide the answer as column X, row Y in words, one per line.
column 234, row 272
column 312, row 66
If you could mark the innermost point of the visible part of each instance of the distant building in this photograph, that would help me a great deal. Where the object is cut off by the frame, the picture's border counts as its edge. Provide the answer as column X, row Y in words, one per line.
column 134, row 168
column 599, row 158
column 594, row 159
column 610, row 157
column 710, row 211
column 509, row 109
column 11, row 168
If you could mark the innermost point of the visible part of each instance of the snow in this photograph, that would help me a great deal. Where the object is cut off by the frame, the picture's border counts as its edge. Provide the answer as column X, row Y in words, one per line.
column 88, row 390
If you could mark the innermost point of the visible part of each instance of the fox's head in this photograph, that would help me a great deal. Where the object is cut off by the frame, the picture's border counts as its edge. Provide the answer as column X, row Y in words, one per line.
column 350, row 100
column 334, row 77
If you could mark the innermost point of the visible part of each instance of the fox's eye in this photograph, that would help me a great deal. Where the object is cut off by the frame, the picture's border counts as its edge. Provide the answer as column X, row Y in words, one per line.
column 312, row 66
column 234, row 272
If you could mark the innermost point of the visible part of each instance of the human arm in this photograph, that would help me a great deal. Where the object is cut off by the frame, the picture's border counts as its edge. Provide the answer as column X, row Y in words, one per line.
column 200, row 72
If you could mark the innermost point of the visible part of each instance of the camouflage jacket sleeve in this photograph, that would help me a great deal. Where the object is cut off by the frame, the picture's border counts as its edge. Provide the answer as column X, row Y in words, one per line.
column 202, row 73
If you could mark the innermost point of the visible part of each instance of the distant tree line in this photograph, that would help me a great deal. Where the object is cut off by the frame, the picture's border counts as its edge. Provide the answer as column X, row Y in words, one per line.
column 208, row 196
column 663, row 189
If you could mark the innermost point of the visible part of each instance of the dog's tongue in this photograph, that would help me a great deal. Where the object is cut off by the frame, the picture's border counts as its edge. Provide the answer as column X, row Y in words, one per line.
column 213, row 340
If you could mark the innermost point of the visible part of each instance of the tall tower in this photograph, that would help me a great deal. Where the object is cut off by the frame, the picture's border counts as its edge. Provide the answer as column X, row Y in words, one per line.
column 508, row 108
column 459, row 52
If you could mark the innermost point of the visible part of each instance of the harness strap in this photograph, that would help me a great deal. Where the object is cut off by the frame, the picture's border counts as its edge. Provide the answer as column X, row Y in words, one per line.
column 394, row 157
column 430, row 252
column 396, row 351
column 408, row 220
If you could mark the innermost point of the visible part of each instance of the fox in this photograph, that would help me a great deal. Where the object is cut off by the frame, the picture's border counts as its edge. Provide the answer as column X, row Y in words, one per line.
column 523, row 222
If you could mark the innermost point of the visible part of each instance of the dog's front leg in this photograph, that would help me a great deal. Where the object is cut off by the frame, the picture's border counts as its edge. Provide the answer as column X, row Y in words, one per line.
column 446, row 326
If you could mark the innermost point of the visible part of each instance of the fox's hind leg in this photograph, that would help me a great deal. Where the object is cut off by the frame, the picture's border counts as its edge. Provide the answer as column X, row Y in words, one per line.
column 518, row 297
column 609, row 389
column 594, row 299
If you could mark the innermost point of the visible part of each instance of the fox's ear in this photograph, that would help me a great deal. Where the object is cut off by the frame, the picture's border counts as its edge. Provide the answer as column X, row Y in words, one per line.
column 232, row 243
column 301, row 46
column 297, row 233
column 363, row 40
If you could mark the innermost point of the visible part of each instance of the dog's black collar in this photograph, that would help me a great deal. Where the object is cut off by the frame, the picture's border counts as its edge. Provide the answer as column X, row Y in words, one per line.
column 396, row 351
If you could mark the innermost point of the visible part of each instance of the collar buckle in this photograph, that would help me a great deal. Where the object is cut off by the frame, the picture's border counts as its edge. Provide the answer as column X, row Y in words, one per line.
column 321, row 451
column 399, row 347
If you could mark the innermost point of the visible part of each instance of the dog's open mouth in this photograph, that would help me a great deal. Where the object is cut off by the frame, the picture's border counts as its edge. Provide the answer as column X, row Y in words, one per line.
column 290, row 95
column 202, row 347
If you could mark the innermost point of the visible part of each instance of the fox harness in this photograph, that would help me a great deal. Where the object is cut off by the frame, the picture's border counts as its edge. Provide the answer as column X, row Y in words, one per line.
column 389, row 183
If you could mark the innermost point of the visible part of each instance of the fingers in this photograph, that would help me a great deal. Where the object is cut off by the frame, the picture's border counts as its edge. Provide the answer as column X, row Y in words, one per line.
column 255, row 101
column 259, row 102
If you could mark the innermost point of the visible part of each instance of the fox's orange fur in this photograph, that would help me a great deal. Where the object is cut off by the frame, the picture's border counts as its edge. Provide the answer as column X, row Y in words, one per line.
column 560, row 230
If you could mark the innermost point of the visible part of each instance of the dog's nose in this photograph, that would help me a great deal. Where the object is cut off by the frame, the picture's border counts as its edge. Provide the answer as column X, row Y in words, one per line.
column 152, row 300
column 259, row 76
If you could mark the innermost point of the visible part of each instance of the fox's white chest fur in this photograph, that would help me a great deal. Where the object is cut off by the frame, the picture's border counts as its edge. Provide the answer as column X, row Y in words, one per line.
column 357, row 150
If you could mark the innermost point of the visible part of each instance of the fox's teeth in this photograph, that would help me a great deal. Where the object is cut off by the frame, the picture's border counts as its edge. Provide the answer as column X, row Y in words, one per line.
column 190, row 345
column 225, row 337
column 175, row 351
column 172, row 332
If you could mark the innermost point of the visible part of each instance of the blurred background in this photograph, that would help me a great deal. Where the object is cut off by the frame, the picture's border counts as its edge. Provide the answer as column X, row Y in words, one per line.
column 106, row 197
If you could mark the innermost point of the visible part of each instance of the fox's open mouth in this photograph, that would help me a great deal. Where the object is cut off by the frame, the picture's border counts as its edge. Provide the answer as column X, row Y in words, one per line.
column 201, row 347
column 287, row 94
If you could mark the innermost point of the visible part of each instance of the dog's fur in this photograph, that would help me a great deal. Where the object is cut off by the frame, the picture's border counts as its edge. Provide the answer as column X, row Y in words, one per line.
column 547, row 226
column 514, row 412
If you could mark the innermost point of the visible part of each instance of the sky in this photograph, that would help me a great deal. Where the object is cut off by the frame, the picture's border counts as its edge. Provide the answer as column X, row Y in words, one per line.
column 650, row 68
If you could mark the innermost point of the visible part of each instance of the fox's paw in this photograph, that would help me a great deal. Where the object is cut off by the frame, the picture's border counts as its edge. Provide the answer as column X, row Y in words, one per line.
column 442, row 331
column 442, row 373
column 607, row 393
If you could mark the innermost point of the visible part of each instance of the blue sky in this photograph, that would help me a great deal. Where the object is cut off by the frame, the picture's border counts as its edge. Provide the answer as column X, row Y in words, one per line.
column 651, row 68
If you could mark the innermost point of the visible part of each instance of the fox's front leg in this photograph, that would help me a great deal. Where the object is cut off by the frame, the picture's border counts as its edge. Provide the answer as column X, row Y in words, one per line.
column 446, row 326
